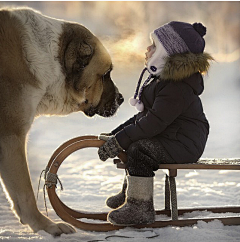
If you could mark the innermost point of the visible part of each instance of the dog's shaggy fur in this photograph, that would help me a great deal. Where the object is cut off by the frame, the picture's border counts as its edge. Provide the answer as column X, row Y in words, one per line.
column 47, row 66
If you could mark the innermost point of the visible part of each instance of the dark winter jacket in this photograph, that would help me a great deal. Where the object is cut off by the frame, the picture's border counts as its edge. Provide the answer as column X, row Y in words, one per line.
column 173, row 111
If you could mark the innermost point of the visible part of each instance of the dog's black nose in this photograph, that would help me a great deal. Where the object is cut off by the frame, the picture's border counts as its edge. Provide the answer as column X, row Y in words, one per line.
column 120, row 99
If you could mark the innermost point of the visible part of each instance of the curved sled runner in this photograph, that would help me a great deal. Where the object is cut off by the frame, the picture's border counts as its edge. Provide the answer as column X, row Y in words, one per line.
column 72, row 216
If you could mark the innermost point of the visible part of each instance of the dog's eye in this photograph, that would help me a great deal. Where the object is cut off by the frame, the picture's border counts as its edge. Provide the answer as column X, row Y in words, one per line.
column 106, row 76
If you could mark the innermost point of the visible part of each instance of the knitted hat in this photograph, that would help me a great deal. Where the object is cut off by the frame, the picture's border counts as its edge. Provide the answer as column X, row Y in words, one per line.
column 176, row 37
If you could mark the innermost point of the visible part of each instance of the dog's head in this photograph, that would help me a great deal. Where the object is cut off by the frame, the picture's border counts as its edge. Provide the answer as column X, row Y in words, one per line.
column 87, row 67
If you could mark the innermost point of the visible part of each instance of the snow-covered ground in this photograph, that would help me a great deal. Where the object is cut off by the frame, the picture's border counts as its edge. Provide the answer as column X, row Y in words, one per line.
column 88, row 182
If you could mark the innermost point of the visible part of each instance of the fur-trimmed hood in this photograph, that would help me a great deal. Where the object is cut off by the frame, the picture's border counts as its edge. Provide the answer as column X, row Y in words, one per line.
column 180, row 66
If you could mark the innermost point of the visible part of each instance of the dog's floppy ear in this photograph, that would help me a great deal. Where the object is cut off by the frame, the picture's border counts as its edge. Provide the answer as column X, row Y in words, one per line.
column 76, row 50
column 77, row 56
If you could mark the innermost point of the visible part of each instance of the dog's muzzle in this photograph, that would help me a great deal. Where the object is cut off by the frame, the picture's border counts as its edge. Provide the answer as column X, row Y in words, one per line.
column 108, row 109
column 119, row 99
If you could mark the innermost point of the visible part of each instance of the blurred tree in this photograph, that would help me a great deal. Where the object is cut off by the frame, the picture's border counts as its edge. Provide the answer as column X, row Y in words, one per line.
column 116, row 22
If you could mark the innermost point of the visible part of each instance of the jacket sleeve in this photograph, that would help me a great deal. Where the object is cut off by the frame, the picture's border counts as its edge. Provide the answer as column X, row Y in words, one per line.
column 122, row 126
column 167, row 106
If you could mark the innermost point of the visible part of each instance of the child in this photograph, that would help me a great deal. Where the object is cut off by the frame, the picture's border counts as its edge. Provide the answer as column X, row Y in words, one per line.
column 170, row 127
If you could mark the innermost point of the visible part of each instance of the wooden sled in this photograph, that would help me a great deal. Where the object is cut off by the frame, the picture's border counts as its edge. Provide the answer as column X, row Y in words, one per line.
column 72, row 216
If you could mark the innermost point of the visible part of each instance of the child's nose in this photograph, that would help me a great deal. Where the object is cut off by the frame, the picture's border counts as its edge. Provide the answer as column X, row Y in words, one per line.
column 149, row 48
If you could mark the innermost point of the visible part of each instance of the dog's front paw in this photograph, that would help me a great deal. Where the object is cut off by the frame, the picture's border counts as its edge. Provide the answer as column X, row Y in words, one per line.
column 47, row 225
column 56, row 229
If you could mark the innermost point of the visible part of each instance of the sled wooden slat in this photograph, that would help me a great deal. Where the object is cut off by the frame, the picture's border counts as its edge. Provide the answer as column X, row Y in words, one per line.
column 171, row 208
column 74, row 217
column 218, row 165
column 226, row 209
column 190, row 222
column 63, row 211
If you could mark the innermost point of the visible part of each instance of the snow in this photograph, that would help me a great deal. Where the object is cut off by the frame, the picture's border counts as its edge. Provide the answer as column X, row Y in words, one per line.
column 87, row 181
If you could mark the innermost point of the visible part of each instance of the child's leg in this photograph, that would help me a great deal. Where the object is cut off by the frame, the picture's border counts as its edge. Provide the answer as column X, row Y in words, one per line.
column 138, row 207
column 144, row 157
column 118, row 199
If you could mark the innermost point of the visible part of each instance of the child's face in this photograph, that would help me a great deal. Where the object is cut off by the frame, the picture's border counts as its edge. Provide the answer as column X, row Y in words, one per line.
column 150, row 50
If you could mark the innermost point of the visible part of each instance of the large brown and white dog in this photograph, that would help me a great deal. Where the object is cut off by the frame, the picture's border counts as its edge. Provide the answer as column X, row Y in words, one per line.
column 47, row 66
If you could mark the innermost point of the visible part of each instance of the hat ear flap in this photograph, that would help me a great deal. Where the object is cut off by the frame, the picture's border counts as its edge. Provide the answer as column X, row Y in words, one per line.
column 156, row 63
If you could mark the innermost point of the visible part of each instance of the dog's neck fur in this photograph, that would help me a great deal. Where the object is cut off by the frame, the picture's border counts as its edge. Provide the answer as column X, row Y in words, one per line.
column 41, row 49
column 41, row 55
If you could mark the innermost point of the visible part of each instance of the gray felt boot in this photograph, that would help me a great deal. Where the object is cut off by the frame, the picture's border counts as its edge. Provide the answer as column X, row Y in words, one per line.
column 118, row 199
column 138, row 207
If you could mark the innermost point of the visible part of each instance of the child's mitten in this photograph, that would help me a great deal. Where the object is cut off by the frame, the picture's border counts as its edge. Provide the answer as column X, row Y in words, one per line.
column 110, row 149
column 104, row 136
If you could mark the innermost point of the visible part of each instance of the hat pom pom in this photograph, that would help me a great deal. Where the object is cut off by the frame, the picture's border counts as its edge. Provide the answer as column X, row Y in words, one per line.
column 200, row 29
column 139, row 106
column 133, row 101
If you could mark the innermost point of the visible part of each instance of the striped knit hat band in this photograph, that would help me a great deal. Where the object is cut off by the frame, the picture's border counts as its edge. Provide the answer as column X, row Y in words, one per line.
column 179, row 37
column 171, row 40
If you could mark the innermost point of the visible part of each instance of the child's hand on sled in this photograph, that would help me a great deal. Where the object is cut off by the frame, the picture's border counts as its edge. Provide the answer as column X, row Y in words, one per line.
column 110, row 149
column 104, row 136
